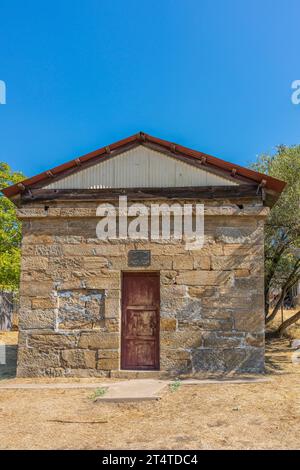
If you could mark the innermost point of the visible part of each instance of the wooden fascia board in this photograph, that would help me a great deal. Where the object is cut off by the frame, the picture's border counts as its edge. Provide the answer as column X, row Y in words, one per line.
column 207, row 192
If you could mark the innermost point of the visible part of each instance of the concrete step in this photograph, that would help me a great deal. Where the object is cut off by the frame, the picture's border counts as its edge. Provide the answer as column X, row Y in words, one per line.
column 125, row 399
column 135, row 374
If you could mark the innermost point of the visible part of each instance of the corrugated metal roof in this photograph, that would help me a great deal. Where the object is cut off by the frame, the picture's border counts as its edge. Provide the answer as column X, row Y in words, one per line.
column 178, row 151
column 140, row 167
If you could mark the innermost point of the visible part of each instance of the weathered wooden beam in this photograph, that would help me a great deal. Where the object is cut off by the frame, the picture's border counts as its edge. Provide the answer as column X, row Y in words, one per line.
column 207, row 192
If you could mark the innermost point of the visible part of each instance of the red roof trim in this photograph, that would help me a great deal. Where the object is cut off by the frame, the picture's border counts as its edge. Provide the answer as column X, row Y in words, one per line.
column 47, row 176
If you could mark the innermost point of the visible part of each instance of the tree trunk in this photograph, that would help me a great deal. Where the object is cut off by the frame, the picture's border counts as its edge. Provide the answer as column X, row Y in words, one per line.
column 290, row 321
column 277, row 306
column 289, row 283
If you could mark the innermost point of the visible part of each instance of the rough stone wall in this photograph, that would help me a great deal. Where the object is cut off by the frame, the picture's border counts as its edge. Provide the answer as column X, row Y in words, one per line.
column 211, row 299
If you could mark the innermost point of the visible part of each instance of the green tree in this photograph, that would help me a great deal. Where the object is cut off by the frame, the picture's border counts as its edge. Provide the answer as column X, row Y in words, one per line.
column 282, row 231
column 10, row 232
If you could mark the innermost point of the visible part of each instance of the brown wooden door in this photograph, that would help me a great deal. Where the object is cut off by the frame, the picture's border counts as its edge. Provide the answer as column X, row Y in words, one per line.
column 140, row 321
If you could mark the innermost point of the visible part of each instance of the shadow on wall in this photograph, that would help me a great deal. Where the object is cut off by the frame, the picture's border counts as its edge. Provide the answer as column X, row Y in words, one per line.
column 8, row 370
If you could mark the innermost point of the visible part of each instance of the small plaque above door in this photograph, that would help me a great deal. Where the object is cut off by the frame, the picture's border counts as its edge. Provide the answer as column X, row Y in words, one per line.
column 139, row 258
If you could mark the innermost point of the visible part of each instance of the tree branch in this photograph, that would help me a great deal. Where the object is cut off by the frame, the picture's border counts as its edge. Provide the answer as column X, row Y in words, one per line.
column 289, row 283
column 290, row 321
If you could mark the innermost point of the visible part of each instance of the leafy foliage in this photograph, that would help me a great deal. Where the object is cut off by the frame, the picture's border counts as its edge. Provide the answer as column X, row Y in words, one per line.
column 175, row 385
column 282, row 233
column 10, row 232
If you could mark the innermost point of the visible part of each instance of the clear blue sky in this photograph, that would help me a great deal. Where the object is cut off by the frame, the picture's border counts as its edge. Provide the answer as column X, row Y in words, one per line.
column 212, row 75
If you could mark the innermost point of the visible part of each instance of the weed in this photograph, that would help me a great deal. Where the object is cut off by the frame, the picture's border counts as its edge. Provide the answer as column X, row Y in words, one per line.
column 99, row 392
column 174, row 386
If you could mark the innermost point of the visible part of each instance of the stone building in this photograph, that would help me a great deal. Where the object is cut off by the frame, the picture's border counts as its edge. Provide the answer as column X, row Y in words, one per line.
column 108, row 307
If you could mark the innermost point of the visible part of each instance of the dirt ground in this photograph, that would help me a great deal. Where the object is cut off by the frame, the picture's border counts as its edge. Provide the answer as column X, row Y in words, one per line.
column 208, row 416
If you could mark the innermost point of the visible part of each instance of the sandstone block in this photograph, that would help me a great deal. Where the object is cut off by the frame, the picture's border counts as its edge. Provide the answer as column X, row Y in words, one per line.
column 38, row 359
column 34, row 262
column 202, row 262
column 168, row 324
column 182, row 262
column 250, row 284
column 209, row 249
column 76, row 212
column 70, row 284
column 240, row 249
column 249, row 321
column 169, row 292
column 111, row 325
column 212, row 339
column 79, row 359
column 241, row 273
column 176, row 361
column 222, row 360
column 77, row 249
column 43, row 302
column 37, row 319
column 209, row 323
column 33, row 289
column 255, row 340
column 35, row 276
column 189, row 311
column 229, row 360
column 216, row 311
column 203, row 292
column 24, row 302
column 225, row 263
column 108, row 354
column 108, row 364
column 169, row 306
column 64, row 239
column 168, row 277
column 101, row 248
column 112, row 308
column 249, row 262
column 161, row 262
column 37, row 239
column 85, row 373
column 203, row 278
column 99, row 340
column 184, row 338
column 52, row 341
column 95, row 263
column 65, row 262
column 238, row 235
column 254, row 360
column 30, row 212
column 32, row 371
column 103, row 282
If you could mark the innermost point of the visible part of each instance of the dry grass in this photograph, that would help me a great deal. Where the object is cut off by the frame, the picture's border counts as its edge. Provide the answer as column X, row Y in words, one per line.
column 294, row 330
column 226, row 416
column 215, row 416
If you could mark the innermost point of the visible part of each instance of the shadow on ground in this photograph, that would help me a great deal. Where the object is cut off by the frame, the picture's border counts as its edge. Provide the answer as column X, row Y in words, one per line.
column 278, row 355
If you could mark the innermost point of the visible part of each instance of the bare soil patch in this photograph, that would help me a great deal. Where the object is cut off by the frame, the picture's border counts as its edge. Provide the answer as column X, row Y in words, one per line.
column 209, row 416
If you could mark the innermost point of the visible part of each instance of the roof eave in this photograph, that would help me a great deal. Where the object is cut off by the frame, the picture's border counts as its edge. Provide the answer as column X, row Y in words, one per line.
column 229, row 169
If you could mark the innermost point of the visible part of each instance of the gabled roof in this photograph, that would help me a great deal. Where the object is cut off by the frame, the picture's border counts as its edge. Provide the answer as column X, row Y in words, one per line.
column 207, row 162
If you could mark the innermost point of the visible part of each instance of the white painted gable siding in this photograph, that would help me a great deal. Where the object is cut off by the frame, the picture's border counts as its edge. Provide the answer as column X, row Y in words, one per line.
column 140, row 167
